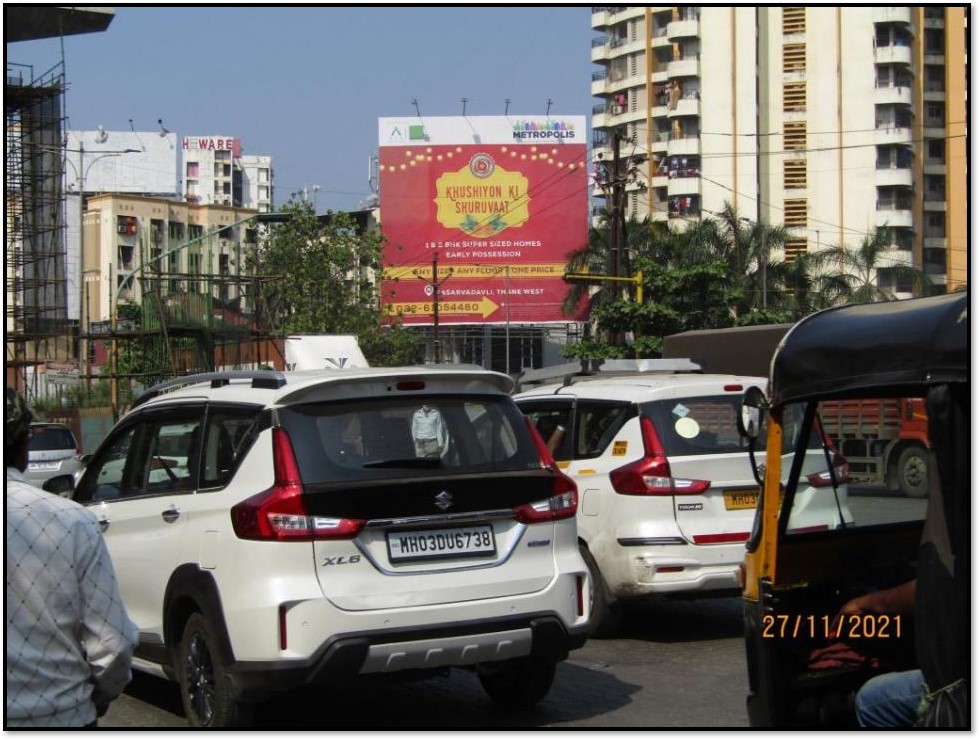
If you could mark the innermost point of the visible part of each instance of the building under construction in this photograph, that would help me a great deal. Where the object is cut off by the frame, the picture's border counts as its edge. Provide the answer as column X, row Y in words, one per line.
column 37, row 327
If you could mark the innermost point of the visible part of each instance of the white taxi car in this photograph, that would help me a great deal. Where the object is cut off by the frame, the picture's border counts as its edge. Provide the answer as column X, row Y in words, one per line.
column 666, row 486
column 273, row 530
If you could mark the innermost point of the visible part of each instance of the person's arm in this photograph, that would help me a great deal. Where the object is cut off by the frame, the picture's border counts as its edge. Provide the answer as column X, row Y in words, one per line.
column 108, row 636
column 897, row 600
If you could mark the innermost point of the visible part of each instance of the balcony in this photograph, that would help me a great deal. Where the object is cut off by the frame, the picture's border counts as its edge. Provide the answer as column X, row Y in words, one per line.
column 688, row 185
column 683, row 68
column 893, row 177
column 894, row 215
column 892, row 135
column 660, row 142
column 893, row 96
column 892, row 14
column 935, row 203
column 684, row 147
column 677, row 30
column 894, row 54
column 660, row 40
column 685, row 107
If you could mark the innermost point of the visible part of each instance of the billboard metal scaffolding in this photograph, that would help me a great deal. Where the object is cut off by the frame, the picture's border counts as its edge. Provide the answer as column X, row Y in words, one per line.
column 37, row 327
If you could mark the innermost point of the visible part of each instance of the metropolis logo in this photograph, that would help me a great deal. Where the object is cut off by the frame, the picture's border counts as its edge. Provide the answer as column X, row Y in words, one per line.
column 444, row 500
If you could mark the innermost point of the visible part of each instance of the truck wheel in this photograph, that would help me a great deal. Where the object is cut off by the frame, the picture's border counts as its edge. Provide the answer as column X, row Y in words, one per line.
column 605, row 615
column 912, row 471
column 205, row 688
column 517, row 683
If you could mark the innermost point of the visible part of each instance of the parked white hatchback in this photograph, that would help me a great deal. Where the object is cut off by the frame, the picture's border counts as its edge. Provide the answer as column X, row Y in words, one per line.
column 272, row 530
column 667, row 490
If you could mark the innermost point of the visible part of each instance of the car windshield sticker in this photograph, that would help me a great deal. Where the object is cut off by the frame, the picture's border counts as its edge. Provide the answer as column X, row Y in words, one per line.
column 687, row 428
column 680, row 410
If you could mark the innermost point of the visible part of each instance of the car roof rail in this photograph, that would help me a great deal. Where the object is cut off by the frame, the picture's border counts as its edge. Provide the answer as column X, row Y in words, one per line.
column 572, row 372
column 260, row 379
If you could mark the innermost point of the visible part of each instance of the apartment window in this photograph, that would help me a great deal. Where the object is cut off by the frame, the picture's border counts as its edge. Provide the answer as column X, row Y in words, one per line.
column 224, row 260
column 936, row 187
column 193, row 169
column 263, row 192
column 935, row 40
column 935, row 78
column 937, row 150
column 935, row 115
column 794, row 213
column 794, row 173
column 794, row 96
column 794, row 20
column 195, row 231
column 125, row 261
column 794, row 58
column 176, row 230
column 794, row 135
column 263, row 174
column 222, row 155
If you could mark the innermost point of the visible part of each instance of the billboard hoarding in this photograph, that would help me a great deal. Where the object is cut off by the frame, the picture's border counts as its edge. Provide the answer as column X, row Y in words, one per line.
column 483, row 210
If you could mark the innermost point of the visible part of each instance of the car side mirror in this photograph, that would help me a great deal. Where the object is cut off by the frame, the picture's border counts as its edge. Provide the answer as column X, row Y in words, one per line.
column 749, row 420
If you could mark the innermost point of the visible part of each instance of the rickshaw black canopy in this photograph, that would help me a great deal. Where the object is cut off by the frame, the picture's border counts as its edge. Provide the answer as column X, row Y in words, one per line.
column 902, row 347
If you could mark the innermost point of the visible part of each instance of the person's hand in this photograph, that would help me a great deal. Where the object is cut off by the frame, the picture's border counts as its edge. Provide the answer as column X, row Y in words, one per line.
column 101, row 708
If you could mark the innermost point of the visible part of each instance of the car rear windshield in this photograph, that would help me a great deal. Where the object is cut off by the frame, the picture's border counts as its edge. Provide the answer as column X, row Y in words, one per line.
column 705, row 425
column 387, row 438
column 700, row 425
column 47, row 439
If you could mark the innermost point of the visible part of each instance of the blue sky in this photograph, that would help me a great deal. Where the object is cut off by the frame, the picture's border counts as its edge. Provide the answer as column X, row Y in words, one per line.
column 307, row 84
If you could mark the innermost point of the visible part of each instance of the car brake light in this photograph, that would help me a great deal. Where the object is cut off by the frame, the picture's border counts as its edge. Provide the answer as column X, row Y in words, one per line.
column 279, row 513
column 650, row 475
column 842, row 470
column 563, row 502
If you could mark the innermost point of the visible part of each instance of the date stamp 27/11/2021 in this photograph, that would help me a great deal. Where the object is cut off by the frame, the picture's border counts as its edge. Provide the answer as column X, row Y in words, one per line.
column 837, row 627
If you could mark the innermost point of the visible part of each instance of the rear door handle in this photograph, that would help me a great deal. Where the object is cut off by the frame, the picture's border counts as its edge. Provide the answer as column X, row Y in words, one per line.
column 171, row 514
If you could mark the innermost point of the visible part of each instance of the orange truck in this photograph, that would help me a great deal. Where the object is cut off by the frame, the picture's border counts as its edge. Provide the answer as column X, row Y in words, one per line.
column 885, row 441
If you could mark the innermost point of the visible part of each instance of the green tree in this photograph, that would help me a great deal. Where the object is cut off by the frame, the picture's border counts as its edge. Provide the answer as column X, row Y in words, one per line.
column 319, row 278
column 862, row 267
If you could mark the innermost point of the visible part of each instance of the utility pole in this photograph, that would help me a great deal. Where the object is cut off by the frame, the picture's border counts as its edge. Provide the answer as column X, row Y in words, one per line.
column 435, row 282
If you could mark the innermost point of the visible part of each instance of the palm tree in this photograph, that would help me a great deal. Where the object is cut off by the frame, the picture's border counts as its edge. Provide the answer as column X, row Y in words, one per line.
column 860, row 269
column 805, row 285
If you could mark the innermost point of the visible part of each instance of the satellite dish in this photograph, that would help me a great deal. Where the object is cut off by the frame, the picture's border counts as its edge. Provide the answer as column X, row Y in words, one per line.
column 101, row 136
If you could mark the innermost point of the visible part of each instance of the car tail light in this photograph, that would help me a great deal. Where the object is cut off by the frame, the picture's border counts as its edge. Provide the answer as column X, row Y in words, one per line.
column 279, row 513
column 650, row 475
column 563, row 502
column 842, row 471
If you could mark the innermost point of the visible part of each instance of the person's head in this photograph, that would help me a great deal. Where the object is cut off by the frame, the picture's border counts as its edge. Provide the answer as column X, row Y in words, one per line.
column 17, row 420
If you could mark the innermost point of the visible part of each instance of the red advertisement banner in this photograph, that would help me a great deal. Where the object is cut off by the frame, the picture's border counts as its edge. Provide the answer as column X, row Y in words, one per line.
column 487, row 226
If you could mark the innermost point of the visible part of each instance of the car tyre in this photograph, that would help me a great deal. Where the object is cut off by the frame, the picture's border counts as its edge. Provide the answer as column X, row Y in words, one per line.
column 605, row 615
column 912, row 472
column 518, row 683
column 205, row 687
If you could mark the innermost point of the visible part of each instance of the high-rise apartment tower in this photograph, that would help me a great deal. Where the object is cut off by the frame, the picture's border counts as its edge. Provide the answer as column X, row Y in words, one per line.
column 828, row 120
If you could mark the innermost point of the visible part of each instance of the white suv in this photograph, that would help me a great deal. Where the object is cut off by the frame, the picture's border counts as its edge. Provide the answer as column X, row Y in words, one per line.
column 667, row 491
column 271, row 530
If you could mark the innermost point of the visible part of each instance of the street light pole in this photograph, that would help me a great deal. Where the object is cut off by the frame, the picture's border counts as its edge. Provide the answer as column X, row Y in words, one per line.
column 80, row 174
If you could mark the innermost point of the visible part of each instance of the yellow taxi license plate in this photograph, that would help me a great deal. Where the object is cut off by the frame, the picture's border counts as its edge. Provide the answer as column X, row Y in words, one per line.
column 742, row 498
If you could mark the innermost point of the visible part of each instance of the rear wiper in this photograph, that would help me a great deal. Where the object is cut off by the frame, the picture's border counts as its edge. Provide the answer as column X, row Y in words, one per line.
column 406, row 462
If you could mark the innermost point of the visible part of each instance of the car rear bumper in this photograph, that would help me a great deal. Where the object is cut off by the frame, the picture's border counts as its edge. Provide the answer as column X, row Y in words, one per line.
column 344, row 657
column 645, row 570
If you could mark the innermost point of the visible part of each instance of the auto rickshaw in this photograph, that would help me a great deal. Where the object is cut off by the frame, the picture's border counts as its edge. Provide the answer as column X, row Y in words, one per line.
column 805, row 660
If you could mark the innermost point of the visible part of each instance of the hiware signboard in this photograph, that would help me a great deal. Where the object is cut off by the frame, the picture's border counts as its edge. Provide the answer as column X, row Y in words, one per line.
column 493, row 203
